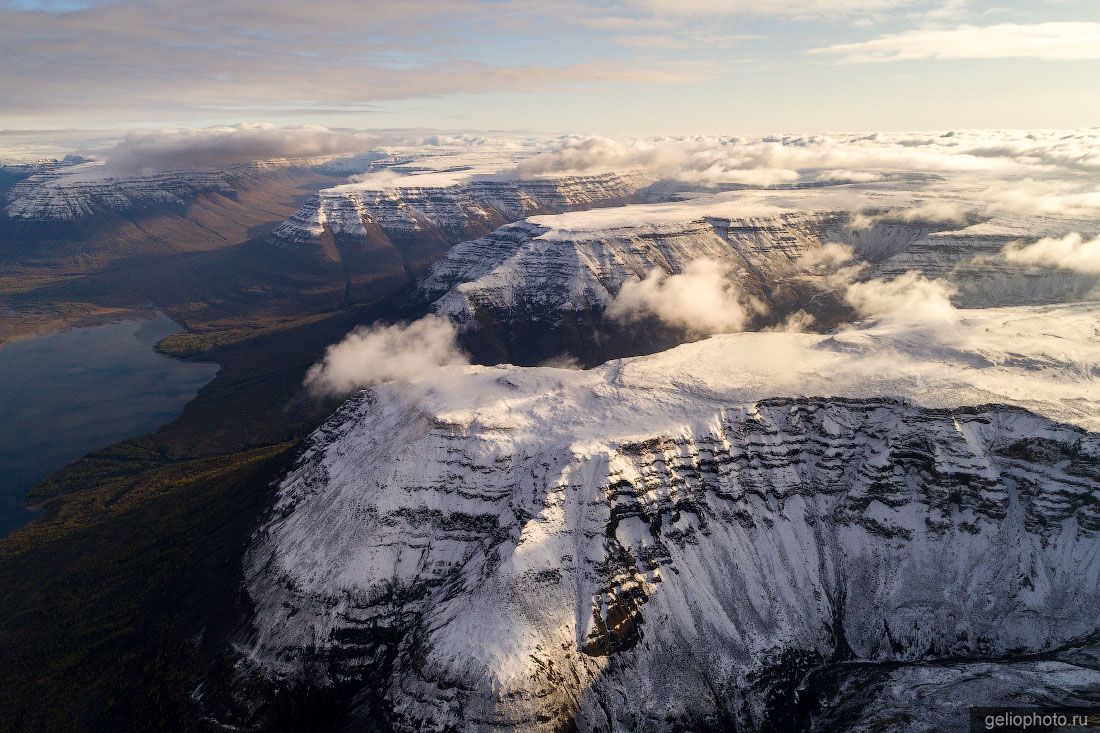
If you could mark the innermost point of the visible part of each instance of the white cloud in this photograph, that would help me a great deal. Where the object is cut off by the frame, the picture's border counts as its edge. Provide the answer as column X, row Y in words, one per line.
column 1049, row 198
column 829, row 255
column 371, row 355
column 830, row 263
column 1056, row 41
column 203, row 59
column 864, row 158
column 782, row 8
column 1071, row 252
column 670, row 39
column 211, row 147
column 699, row 160
column 798, row 322
column 842, row 176
column 939, row 213
column 909, row 299
column 701, row 299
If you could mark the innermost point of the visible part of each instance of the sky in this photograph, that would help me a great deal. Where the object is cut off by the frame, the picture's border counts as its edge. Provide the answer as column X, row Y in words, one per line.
column 616, row 67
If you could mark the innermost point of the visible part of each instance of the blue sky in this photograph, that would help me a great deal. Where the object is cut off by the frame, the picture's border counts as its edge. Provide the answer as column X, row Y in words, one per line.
column 643, row 67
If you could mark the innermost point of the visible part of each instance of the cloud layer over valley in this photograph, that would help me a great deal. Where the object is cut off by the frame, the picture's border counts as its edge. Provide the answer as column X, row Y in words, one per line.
column 212, row 147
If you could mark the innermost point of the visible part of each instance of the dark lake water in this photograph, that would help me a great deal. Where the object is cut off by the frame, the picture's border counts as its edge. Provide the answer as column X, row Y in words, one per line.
column 66, row 394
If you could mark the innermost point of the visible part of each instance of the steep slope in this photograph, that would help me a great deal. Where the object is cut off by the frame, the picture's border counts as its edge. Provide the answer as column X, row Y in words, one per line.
column 572, row 262
column 675, row 540
column 371, row 239
column 540, row 287
column 58, row 273
column 75, row 222
column 86, row 190
column 970, row 258
column 863, row 697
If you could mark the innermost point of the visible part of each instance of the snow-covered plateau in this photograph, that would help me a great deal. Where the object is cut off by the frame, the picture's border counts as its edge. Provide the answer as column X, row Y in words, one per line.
column 89, row 189
column 674, row 541
column 415, row 204
column 557, row 266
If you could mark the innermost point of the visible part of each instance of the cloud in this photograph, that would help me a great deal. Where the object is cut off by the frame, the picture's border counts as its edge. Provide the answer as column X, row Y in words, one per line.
column 780, row 8
column 909, row 299
column 1071, row 252
column 782, row 159
column 700, row 160
column 829, row 255
column 934, row 213
column 681, row 40
column 701, row 299
column 212, row 147
column 1048, row 198
column 1056, row 41
column 162, row 59
column 371, row 355
column 830, row 263
column 842, row 176
column 798, row 322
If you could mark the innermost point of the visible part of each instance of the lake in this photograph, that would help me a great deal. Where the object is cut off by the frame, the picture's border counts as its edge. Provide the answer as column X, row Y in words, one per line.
column 64, row 395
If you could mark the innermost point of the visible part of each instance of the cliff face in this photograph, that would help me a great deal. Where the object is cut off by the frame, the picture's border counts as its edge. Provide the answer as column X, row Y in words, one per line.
column 455, row 210
column 654, row 544
column 971, row 259
column 540, row 287
column 370, row 238
column 83, row 191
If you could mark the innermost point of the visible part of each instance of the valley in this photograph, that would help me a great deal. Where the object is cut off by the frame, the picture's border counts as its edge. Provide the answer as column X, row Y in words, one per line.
column 895, row 391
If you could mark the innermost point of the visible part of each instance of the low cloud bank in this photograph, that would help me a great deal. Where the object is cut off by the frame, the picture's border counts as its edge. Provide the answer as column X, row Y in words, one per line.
column 702, row 160
column 936, row 213
column 829, row 256
column 1048, row 198
column 1071, row 252
column 856, row 158
column 701, row 299
column 151, row 151
column 371, row 355
column 909, row 299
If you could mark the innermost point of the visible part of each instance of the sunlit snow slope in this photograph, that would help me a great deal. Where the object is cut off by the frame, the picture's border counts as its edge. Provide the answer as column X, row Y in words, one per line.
column 673, row 540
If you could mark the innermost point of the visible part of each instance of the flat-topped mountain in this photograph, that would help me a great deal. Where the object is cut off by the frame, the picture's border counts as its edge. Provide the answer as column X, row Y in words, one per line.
column 675, row 540
column 369, row 239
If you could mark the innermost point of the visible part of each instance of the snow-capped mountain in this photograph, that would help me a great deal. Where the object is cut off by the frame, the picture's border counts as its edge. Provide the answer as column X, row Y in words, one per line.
column 578, row 262
column 89, row 189
column 587, row 263
column 456, row 210
column 371, row 237
column 559, row 273
column 675, row 540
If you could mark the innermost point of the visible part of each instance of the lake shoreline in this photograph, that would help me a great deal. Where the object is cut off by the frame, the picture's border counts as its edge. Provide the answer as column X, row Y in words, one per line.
column 70, row 393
